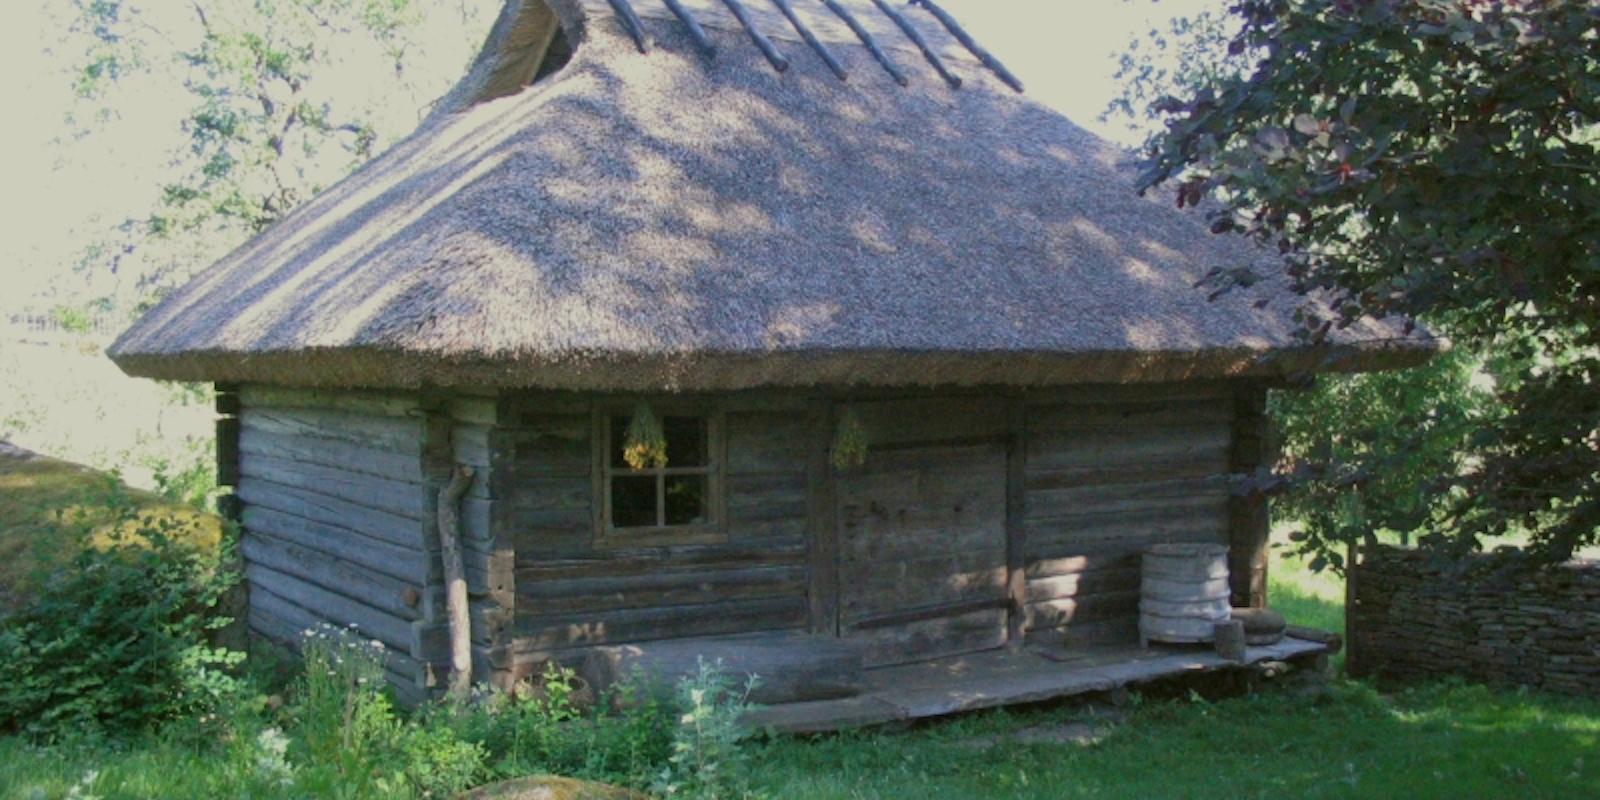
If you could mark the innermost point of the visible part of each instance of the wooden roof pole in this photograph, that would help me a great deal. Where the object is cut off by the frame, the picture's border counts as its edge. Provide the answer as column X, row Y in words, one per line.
column 631, row 22
column 811, row 39
column 966, row 40
column 922, row 44
column 779, row 63
column 697, row 33
column 866, row 39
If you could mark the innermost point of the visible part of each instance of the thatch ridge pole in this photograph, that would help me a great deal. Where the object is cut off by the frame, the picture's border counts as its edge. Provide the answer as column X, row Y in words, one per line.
column 922, row 44
column 764, row 44
column 455, row 581
column 811, row 39
column 966, row 40
column 695, row 31
column 631, row 21
column 866, row 38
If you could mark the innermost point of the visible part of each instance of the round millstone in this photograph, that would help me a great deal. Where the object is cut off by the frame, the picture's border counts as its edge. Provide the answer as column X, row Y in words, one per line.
column 1261, row 625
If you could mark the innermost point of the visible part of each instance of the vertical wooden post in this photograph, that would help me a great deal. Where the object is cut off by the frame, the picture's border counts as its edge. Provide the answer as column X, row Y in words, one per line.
column 1249, row 523
column 1353, row 662
column 228, row 410
column 823, row 529
column 455, row 582
column 1016, row 508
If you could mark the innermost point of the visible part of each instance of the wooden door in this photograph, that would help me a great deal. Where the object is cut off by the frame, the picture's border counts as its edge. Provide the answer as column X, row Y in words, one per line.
column 922, row 533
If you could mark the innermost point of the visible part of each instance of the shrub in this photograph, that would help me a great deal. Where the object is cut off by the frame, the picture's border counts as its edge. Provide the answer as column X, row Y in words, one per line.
column 708, row 761
column 351, row 741
column 118, row 638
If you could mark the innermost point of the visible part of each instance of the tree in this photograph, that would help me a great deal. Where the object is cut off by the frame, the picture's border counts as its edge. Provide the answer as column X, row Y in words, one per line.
column 1431, row 160
column 287, row 97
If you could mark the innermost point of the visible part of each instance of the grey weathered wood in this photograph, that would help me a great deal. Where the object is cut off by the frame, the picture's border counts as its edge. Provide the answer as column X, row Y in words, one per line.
column 348, row 456
column 746, row 616
column 925, row 640
column 1249, row 522
column 1110, row 498
column 788, row 667
column 917, row 39
column 336, row 543
column 923, row 525
column 1083, row 608
column 483, row 412
column 400, row 434
column 1016, row 518
column 663, row 560
column 383, row 592
column 581, row 595
column 331, row 511
column 365, row 403
column 227, row 440
column 371, row 491
column 455, row 582
column 1117, row 394
column 394, row 631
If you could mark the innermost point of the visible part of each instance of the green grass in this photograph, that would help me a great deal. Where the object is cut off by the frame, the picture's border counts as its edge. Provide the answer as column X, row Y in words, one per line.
column 44, row 503
column 1347, row 740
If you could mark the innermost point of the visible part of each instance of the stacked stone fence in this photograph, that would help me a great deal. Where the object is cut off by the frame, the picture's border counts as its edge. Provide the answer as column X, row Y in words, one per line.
column 1411, row 618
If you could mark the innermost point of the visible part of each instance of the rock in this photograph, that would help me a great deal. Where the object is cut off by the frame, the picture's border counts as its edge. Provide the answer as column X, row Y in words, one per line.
column 549, row 787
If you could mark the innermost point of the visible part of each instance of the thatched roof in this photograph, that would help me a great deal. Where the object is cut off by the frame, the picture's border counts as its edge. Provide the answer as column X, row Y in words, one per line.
column 671, row 220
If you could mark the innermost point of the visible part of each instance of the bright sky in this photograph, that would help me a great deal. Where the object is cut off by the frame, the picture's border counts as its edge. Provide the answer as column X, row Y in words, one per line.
column 58, row 194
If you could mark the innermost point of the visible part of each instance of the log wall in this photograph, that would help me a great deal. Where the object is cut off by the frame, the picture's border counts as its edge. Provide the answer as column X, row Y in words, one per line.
column 1109, row 471
column 571, row 591
column 334, row 497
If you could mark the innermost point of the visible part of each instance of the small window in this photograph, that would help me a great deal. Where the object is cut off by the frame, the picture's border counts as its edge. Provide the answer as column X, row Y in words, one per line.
column 670, row 503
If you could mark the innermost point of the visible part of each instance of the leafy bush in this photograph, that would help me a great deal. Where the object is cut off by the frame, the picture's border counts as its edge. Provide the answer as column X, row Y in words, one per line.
column 549, row 731
column 118, row 638
column 350, row 739
column 708, row 761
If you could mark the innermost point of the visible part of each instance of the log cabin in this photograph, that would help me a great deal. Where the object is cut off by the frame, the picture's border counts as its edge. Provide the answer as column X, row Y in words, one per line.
column 920, row 373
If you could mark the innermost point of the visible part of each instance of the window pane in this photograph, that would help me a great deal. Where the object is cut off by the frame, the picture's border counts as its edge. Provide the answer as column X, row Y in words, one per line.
column 686, row 500
column 686, row 441
column 633, row 501
column 619, row 438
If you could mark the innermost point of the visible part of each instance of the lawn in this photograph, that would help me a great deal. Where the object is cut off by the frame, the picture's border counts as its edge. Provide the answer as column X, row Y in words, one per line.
column 45, row 505
column 1342, row 740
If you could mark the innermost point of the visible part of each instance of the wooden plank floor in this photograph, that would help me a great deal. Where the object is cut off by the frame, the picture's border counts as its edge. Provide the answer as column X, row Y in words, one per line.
column 1004, row 677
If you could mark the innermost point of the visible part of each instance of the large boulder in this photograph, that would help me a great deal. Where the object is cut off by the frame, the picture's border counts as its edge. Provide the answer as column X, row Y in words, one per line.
column 549, row 787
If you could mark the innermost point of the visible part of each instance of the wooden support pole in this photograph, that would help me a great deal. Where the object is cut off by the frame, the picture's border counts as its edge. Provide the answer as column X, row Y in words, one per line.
column 866, row 38
column 1249, row 524
column 823, row 585
column 915, row 36
column 811, row 39
column 1016, row 516
column 764, row 44
column 966, row 40
column 631, row 22
column 697, row 33
column 455, row 581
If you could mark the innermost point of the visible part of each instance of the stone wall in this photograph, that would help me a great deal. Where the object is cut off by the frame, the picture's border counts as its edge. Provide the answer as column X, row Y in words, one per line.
column 1409, row 618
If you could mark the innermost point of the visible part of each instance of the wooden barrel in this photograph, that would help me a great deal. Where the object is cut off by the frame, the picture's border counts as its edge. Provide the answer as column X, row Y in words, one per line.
column 1183, row 592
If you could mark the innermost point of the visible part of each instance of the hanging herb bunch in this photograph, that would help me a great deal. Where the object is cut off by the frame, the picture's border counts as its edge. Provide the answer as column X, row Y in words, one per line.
column 849, row 441
column 645, row 446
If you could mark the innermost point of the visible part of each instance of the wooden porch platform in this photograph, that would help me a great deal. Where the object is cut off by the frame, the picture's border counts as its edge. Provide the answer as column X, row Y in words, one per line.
column 1010, row 677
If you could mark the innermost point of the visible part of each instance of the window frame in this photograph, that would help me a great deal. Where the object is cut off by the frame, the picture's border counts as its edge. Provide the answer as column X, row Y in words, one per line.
column 712, row 531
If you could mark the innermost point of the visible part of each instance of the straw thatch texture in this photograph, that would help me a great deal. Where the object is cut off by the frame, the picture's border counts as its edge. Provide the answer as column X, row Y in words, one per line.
column 672, row 221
